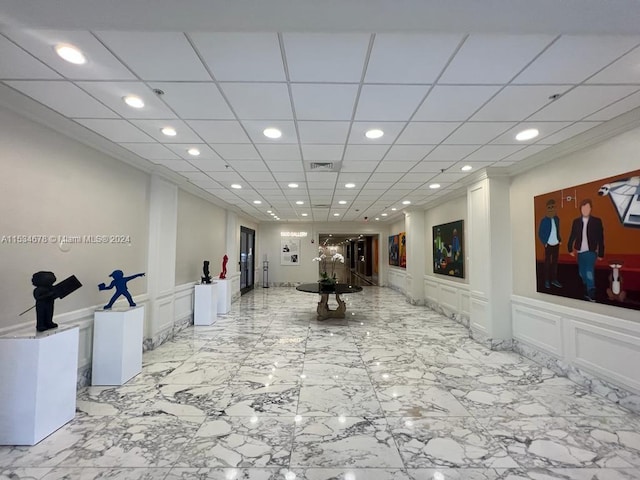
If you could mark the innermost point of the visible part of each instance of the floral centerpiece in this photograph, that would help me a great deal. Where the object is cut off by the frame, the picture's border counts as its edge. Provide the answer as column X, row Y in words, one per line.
column 328, row 267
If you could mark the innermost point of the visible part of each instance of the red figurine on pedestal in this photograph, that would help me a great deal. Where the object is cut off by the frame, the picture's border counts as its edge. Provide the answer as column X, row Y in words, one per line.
column 223, row 274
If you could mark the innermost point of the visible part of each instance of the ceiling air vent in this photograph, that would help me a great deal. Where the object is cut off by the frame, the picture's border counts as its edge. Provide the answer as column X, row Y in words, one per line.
column 321, row 166
column 322, row 205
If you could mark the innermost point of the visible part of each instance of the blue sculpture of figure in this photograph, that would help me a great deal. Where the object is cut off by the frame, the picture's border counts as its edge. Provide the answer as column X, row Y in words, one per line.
column 120, row 284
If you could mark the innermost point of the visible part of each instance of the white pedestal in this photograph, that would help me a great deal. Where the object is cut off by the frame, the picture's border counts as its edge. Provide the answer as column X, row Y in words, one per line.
column 205, row 305
column 224, row 296
column 117, row 345
column 38, row 377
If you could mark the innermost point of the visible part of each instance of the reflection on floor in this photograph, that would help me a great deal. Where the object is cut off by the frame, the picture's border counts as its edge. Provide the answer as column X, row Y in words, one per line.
column 395, row 392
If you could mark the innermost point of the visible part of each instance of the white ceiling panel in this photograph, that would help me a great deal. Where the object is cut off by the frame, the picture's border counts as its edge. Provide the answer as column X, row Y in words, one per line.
column 177, row 165
column 323, row 102
column 493, row 153
column 209, row 165
column 101, row 64
column 356, row 167
column 352, row 177
column 624, row 70
column 389, row 102
column 242, row 166
column 395, row 167
column 408, row 152
column 159, row 56
column 325, row 57
column 279, row 152
column 409, row 58
column 518, row 102
column 421, row 177
column 228, row 177
column 427, row 133
column 151, row 151
column 258, row 177
column 194, row 100
column 328, row 179
column 489, row 59
column 197, row 176
column 568, row 132
column 154, row 127
column 116, row 130
column 112, row 95
column 583, row 101
column 327, row 153
column 17, row 64
column 390, row 129
column 572, row 59
column 181, row 149
column 475, row 166
column 204, row 184
column 63, row 97
column 544, row 128
column 431, row 166
column 454, row 102
column 236, row 151
column 285, row 177
column 323, row 132
column 259, row 101
column 215, row 131
column 365, row 152
column 384, row 177
column 241, row 57
column 450, row 153
column 618, row 108
column 477, row 132
column 255, row 129
column 525, row 152
column 284, row 166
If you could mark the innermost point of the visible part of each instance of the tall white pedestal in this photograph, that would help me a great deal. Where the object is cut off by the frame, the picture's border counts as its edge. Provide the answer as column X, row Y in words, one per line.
column 224, row 296
column 205, row 305
column 38, row 377
column 117, row 345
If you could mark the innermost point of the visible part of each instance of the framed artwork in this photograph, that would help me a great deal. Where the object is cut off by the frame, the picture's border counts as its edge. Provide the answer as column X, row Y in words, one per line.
column 588, row 241
column 448, row 255
column 402, row 246
column 394, row 250
column 290, row 251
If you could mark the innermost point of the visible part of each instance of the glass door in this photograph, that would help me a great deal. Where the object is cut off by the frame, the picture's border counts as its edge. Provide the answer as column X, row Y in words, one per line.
column 247, row 264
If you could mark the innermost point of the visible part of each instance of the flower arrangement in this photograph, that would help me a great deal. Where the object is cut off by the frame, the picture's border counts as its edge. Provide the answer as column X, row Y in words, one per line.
column 326, row 277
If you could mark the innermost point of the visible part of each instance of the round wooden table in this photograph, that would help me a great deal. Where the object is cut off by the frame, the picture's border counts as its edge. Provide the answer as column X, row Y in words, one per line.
column 324, row 291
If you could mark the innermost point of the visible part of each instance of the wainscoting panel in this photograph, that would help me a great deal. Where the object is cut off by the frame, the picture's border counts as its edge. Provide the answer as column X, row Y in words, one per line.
column 540, row 328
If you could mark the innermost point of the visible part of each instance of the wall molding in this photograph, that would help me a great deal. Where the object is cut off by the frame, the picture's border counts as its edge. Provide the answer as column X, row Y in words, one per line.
column 447, row 297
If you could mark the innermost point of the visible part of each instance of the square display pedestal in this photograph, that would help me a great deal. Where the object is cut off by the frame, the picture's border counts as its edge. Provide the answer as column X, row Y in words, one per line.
column 117, row 345
column 224, row 295
column 38, row 377
column 205, row 305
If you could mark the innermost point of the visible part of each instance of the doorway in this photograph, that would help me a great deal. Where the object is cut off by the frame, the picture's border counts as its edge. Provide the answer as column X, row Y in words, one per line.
column 360, row 253
column 247, row 263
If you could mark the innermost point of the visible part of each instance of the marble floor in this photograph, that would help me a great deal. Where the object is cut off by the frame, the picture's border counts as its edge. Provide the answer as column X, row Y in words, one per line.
column 394, row 392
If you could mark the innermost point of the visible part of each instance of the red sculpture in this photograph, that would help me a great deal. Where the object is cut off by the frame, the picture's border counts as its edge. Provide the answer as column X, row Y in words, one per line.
column 223, row 274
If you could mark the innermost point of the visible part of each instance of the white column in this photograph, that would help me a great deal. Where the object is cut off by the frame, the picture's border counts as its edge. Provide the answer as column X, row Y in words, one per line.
column 161, row 262
column 489, row 241
column 414, row 227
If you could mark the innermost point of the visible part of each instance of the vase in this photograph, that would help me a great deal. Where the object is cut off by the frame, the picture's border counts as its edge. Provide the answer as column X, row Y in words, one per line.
column 326, row 287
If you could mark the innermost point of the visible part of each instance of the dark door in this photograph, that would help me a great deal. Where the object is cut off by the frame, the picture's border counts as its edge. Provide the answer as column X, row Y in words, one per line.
column 247, row 267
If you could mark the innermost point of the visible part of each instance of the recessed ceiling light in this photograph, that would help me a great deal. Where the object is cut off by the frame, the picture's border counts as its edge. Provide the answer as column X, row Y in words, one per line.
column 257, row 202
column 194, row 152
column 133, row 101
column 272, row 133
column 299, row 202
column 466, row 168
column 349, row 185
column 434, row 185
column 71, row 54
column 336, row 214
column 374, row 133
column 383, row 214
column 406, row 202
column 394, row 209
column 236, row 186
column 527, row 134
column 269, row 211
column 305, row 214
column 169, row 131
column 342, row 202
column 293, row 185
column 377, row 218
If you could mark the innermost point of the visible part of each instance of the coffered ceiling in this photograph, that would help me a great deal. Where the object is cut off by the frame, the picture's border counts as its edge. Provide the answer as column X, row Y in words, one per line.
column 444, row 100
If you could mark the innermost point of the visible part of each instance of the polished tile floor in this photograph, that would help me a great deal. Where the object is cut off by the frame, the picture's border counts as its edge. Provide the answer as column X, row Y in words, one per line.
column 395, row 392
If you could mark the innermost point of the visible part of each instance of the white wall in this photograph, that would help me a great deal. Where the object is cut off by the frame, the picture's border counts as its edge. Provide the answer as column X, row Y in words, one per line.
column 201, row 236
column 50, row 186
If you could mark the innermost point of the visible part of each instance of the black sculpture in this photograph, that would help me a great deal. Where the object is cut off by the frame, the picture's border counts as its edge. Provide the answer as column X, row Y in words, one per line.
column 119, row 282
column 45, row 294
column 205, row 270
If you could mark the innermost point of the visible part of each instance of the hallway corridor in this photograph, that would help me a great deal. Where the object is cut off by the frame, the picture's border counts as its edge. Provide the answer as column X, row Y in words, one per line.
column 394, row 392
